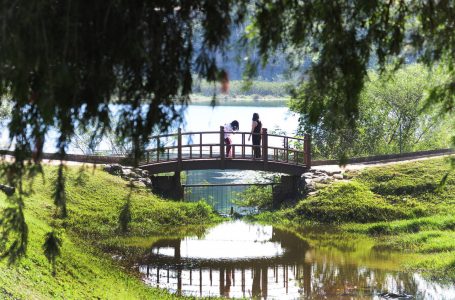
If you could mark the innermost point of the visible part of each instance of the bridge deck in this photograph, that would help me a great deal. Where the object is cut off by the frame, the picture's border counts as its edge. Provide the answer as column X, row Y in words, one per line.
column 206, row 150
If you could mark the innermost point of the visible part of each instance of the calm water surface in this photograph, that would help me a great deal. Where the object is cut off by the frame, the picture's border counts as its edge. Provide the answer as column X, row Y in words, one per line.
column 203, row 118
column 237, row 259
column 206, row 118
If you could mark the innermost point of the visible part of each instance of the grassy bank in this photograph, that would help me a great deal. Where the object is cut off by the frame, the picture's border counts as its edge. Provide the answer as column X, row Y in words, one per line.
column 402, row 207
column 84, row 270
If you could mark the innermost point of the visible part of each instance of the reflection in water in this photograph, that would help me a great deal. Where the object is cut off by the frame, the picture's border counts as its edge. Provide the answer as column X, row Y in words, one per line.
column 227, row 241
column 236, row 259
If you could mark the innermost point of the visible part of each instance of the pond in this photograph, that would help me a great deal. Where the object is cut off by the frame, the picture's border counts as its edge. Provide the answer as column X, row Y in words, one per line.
column 236, row 259
column 199, row 118
column 207, row 118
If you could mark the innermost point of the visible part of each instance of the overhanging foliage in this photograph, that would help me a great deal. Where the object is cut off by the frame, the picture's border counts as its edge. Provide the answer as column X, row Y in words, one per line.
column 63, row 62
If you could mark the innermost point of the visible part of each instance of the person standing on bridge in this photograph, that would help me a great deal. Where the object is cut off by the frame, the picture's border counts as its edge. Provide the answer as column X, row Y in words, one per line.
column 229, row 129
column 256, row 127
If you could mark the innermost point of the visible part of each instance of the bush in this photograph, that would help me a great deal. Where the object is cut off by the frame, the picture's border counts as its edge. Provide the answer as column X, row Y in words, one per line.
column 351, row 202
column 380, row 229
column 259, row 197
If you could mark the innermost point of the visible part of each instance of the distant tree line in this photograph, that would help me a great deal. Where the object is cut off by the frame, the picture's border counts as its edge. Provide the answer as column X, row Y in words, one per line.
column 394, row 117
column 256, row 88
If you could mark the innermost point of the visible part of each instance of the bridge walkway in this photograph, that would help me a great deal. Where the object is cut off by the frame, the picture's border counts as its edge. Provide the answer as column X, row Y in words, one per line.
column 207, row 150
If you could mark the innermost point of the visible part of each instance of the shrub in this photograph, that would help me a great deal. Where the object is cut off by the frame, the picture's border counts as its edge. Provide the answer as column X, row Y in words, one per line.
column 259, row 197
column 380, row 229
column 350, row 202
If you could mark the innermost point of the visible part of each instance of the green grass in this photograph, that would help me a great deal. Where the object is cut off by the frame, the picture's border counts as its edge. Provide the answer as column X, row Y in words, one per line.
column 439, row 266
column 433, row 237
column 396, row 192
column 437, row 222
column 402, row 207
column 353, row 201
column 85, row 270
column 82, row 273
column 417, row 181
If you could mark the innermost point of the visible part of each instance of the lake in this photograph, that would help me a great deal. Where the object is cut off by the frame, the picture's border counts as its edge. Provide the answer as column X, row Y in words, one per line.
column 203, row 118
column 238, row 259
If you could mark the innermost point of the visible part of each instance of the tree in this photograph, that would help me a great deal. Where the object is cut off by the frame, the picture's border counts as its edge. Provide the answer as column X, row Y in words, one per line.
column 64, row 62
column 5, row 110
column 392, row 112
column 258, row 197
column 85, row 141
column 345, row 38
column 390, row 118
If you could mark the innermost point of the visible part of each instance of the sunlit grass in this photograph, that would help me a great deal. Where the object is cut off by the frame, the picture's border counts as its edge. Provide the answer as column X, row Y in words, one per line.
column 402, row 207
column 86, row 268
column 352, row 202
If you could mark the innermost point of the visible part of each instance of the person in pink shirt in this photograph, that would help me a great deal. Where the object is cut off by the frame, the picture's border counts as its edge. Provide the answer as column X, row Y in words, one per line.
column 229, row 129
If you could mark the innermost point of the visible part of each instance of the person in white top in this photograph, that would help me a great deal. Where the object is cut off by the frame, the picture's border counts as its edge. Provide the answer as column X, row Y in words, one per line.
column 229, row 129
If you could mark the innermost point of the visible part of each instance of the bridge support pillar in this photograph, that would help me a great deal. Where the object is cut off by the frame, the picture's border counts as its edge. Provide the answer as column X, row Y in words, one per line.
column 168, row 186
column 289, row 190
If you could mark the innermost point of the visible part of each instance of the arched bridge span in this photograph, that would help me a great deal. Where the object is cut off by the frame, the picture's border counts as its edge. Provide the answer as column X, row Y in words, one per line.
column 183, row 151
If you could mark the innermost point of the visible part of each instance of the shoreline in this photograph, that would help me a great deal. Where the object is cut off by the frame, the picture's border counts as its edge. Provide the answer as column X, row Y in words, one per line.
column 228, row 100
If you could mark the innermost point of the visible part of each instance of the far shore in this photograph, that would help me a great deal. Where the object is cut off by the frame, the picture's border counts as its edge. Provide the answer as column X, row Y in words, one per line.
column 239, row 100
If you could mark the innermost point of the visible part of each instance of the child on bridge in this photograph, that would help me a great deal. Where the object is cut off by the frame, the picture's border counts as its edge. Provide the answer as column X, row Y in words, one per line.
column 229, row 129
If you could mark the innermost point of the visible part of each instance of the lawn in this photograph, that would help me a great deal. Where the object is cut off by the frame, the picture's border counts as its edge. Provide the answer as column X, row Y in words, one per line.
column 86, row 269
column 403, row 207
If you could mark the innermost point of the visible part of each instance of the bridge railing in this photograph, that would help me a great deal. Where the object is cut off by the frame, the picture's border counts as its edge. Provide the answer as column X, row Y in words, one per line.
column 211, row 145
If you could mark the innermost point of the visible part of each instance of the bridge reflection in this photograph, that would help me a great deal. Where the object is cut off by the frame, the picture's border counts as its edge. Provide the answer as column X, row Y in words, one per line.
column 251, row 282
column 266, row 263
column 171, row 265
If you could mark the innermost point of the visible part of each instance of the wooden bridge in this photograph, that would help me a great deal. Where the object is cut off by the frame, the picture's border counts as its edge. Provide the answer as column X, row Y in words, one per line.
column 206, row 150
